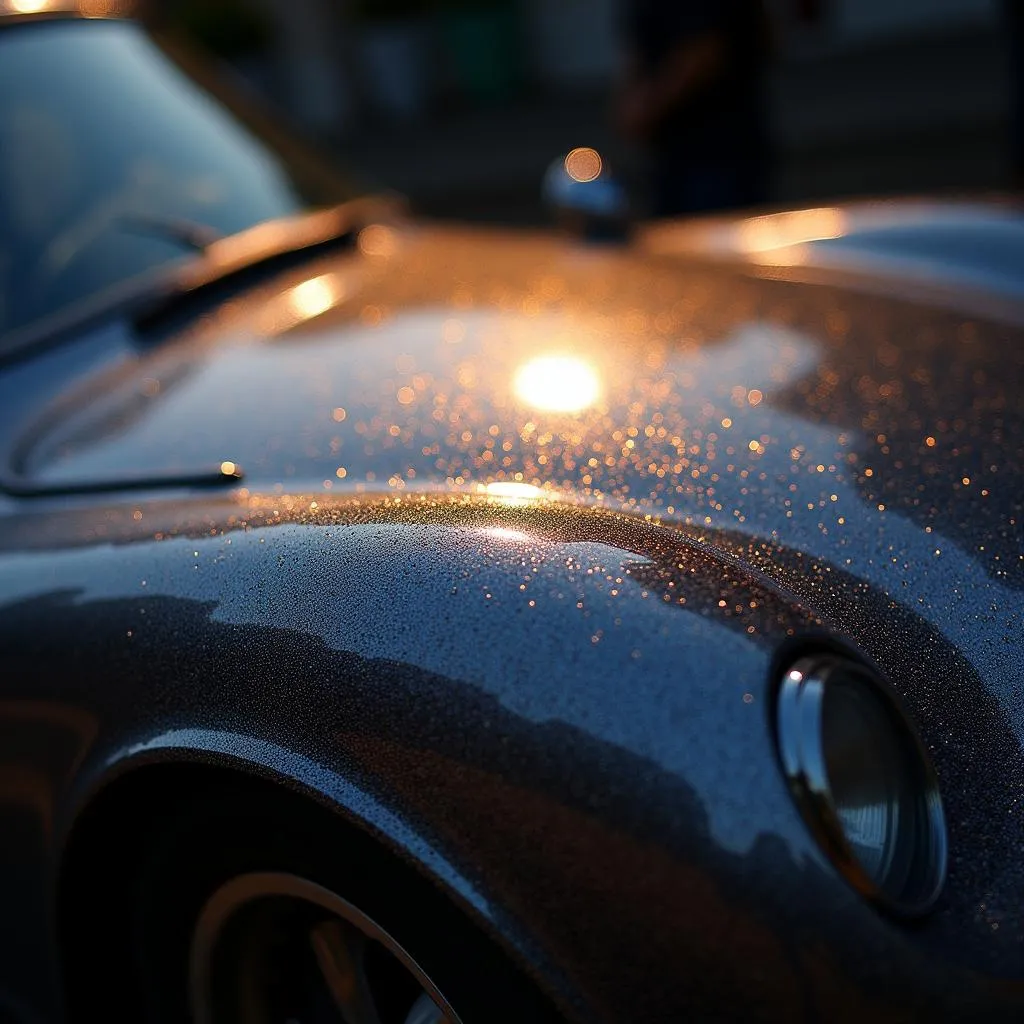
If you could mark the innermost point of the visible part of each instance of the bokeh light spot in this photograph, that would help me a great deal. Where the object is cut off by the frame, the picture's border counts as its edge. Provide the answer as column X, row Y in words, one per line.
column 583, row 164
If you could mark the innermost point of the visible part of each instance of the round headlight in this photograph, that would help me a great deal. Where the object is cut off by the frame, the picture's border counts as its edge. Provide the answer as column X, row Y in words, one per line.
column 863, row 781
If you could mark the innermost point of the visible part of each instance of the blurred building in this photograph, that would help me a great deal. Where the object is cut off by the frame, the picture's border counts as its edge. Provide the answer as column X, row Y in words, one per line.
column 461, row 103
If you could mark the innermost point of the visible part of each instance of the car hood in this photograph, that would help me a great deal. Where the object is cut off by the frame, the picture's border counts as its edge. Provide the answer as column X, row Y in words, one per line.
column 881, row 436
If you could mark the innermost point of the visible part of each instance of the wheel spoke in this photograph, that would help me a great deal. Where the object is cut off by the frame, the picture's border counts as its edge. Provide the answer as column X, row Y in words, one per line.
column 339, row 950
column 426, row 1011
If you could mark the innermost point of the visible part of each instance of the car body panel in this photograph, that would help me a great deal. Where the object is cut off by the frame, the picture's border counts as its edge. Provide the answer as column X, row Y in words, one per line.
column 387, row 657
column 966, row 243
column 529, row 637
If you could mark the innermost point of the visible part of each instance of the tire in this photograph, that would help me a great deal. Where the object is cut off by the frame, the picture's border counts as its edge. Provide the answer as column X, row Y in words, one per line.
column 238, row 893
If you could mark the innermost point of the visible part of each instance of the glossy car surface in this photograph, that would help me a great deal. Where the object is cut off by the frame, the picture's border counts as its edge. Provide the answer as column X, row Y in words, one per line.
column 489, row 548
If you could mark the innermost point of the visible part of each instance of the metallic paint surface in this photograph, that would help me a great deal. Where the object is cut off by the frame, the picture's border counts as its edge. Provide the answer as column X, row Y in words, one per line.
column 555, row 700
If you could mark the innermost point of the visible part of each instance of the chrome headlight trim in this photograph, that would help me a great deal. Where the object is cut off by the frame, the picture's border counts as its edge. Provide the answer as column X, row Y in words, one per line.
column 916, row 838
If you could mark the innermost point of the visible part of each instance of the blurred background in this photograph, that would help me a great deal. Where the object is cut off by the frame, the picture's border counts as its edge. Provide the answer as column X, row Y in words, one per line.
column 462, row 104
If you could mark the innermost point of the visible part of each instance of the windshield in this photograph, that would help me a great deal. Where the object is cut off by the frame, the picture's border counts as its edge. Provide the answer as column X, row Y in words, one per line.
column 114, row 161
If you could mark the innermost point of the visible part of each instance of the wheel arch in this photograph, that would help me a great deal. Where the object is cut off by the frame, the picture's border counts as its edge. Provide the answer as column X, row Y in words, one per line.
column 100, row 856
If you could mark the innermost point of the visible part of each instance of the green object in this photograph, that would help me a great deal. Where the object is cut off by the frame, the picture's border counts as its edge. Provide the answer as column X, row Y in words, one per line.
column 482, row 40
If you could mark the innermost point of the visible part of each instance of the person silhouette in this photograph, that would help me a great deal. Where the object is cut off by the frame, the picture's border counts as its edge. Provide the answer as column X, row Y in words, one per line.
column 693, row 96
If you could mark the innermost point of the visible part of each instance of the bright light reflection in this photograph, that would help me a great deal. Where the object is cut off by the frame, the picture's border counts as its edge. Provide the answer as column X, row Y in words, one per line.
column 583, row 164
column 313, row 297
column 557, row 384
column 28, row 6
column 512, row 489
column 504, row 533
column 784, row 256
column 778, row 230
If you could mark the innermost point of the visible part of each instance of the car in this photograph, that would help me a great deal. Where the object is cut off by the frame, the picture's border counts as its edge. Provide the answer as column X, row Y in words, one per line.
column 405, row 623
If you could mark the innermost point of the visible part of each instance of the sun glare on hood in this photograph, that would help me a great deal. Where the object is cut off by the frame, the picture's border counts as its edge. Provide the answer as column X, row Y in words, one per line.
column 557, row 384
column 511, row 490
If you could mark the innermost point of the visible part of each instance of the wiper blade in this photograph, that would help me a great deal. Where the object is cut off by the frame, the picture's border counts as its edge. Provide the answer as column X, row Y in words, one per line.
column 17, row 486
column 264, row 247
column 233, row 263
column 189, row 233
column 229, row 259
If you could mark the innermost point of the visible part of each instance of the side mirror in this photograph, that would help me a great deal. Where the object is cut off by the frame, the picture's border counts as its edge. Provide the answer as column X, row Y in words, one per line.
column 585, row 197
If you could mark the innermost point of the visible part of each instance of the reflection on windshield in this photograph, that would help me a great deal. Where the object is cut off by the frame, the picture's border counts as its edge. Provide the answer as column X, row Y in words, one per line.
column 96, row 181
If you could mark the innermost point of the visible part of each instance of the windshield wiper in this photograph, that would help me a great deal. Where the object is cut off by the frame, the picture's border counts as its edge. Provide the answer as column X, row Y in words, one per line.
column 227, row 474
column 232, row 261
column 191, row 234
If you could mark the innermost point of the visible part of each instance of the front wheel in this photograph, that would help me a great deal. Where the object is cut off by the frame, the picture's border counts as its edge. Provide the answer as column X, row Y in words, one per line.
column 265, row 909
column 271, row 948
